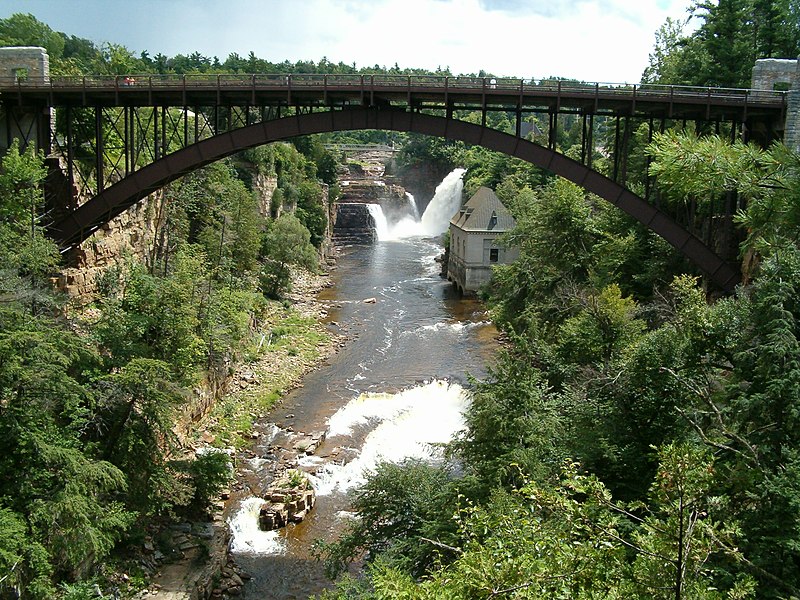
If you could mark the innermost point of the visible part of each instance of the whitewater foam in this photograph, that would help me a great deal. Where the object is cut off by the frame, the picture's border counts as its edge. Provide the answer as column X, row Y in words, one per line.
column 410, row 424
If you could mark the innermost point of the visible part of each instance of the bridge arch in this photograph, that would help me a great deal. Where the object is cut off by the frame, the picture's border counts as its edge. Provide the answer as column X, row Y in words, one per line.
column 81, row 223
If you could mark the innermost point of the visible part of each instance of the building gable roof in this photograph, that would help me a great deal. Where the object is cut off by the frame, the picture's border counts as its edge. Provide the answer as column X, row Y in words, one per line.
column 483, row 212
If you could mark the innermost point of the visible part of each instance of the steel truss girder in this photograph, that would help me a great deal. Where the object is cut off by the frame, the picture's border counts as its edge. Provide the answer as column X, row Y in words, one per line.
column 79, row 225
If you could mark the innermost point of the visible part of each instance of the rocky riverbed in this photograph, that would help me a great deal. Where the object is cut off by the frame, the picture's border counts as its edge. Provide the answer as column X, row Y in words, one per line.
column 197, row 564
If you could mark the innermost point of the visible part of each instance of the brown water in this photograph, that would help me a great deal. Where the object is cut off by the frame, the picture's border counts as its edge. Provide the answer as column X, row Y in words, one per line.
column 394, row 389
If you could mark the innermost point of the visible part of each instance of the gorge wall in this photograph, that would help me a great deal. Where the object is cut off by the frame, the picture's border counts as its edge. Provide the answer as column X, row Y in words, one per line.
column 363, row 181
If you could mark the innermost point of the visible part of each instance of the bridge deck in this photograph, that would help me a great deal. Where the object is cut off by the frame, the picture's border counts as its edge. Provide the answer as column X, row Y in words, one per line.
column 417, row 91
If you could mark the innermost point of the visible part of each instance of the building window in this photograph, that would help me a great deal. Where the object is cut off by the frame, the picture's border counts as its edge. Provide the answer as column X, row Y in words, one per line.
column 494, row 255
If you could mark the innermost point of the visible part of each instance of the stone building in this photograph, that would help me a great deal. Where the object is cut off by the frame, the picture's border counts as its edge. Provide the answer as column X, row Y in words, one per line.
column 474, row 247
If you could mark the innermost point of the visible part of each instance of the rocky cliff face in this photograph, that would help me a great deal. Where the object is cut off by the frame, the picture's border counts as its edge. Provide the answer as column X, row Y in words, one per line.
column 420, row 179
column 264, row 186
column 364, row 181
column 133, row 233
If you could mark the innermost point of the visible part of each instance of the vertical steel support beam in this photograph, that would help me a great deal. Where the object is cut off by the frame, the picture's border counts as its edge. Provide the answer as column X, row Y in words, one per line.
column 44, row 130
column 132, row 114
column 155, row 133
column 590, row 144
column 553, row 130
column 185, row 126
column 583, row 138
column 98, row 147
column 164, row 148
column 126, row 140
column 647, row 178
column 626, row 138
column 9, row 137
column 616, row 150
column 70, row 151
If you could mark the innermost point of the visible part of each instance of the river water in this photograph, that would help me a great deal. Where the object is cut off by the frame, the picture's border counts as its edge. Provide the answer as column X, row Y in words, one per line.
column 394, row 391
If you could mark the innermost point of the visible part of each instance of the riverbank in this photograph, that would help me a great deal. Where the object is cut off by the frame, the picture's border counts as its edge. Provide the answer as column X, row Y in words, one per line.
column 294, row 341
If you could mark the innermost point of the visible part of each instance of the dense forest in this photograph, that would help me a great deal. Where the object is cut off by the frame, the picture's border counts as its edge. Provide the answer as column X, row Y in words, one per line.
column 636, row 438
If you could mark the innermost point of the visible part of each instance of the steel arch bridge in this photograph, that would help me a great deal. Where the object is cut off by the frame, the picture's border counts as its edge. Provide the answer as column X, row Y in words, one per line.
column 122, row 138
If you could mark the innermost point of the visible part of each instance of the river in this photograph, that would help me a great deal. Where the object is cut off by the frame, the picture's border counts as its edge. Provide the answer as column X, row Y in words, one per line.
column 393, row 391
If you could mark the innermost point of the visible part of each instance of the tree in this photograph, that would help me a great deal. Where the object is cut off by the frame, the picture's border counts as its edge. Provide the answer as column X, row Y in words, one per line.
column 605, row 325
column 135, row 424
column 682, row 530
column 50, row 478
column 732, row 35
column 287, row 242
column 404, row 517
column 27, row 258
column 25, row 30
column 511, row 425
column 571, row 540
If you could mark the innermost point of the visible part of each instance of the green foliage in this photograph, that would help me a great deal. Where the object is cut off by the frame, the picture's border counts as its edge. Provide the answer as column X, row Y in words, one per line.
column 605, row 325
column 27, row 258
column 721, row 52
column 706, row 167
column 208, row 474
column 571, row 540
column 137, row 416
column 20, row 177
column 287, row 242
column 678, row 536
column 66, row 492
column 157, row 318
column 25, row 30
column 311, row 211
column 512, row 423
column 405, row 515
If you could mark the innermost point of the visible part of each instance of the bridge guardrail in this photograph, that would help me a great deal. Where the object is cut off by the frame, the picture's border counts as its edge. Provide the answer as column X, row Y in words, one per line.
column 488, row 85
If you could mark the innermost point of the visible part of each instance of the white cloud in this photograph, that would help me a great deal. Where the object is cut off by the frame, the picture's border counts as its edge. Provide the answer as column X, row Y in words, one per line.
column 593, row 40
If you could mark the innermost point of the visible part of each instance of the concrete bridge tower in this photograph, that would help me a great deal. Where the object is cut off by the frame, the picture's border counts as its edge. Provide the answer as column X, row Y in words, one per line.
column 28, row 64
column 770, row 74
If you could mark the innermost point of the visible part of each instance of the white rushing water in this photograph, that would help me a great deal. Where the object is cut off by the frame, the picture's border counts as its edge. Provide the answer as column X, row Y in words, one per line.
column 381, row 224
column 445, row 203
column 246, row 537
column 412, row 204
column 434, row 221
column 413, row 423
column 410, row 424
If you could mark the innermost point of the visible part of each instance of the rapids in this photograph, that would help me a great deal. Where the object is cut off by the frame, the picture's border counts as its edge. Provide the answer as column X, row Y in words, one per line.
column 397, row 390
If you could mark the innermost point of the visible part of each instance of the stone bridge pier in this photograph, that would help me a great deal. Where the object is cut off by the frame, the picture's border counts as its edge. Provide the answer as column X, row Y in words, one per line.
column 779, row 74
column 24, row 64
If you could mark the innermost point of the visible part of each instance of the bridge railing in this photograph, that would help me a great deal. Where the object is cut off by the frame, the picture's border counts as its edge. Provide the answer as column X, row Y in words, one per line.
column 488, row 85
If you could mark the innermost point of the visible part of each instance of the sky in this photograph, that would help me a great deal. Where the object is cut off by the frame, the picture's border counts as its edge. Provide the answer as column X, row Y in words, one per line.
column 592, row 40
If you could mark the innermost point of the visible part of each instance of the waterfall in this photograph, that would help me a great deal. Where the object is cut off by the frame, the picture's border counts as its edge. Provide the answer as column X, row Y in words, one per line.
column 445, row 203
column 412, row 203
column 436, row 218
column 381, row 225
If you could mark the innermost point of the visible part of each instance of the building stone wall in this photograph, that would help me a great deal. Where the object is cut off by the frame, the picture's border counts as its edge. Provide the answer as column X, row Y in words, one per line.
column 469, row 265
column 769, row 73
column 28, row 63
